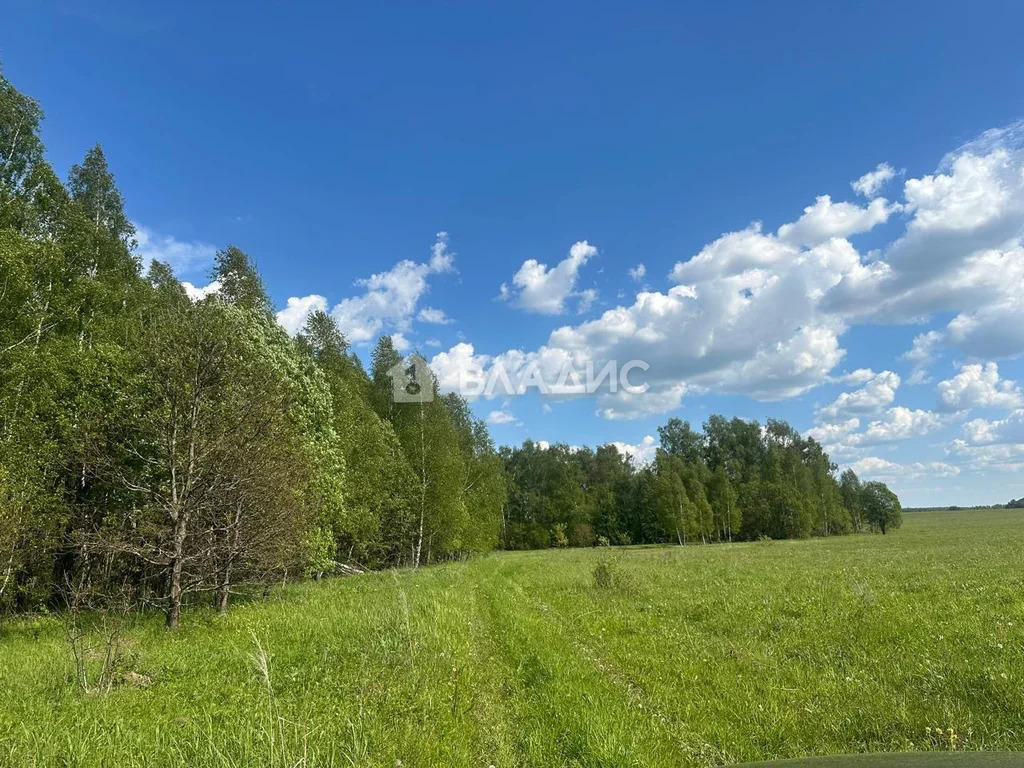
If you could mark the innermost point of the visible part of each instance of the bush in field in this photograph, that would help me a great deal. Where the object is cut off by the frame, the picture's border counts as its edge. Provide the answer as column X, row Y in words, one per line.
column 604, row 574
column 609, row 574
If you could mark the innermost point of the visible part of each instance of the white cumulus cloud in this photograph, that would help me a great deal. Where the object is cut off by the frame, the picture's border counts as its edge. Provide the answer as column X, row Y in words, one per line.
column 878, row 391
column 185, row 257
column 825, row 220
column 401, row 343
column 872, row 181
column 198, row 293
column 901, row 423
column 293, row 317
column 922, row 354
column 503, row 417
column 433, row 315
column 388, row 300
column 978, row 386
column 762, row 313
column 873, row 467
column 1003, row 431
column 641, row 453
column 536, row 287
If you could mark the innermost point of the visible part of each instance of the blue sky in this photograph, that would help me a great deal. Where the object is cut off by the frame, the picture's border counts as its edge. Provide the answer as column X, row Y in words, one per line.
column 334, row 142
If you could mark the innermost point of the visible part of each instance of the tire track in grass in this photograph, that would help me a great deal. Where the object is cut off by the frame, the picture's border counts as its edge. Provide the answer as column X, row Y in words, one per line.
column 696, row 750
column 489, row 706
column 514, row 723
column 442, row 732
column 567, row 713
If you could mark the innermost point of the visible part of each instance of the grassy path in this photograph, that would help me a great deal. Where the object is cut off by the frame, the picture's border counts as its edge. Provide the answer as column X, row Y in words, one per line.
column 694, row 657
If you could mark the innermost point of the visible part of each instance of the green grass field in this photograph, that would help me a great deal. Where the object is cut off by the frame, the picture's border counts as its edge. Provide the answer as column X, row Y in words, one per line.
column 690, row 656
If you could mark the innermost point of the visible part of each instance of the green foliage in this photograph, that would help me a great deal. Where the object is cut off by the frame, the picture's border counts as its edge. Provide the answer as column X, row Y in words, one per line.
column 558, row 537
column 320, row 551
column 850, row 490
column 240, row 283
column 724, row 500
column 881, row 507
column 733, row 481
column 606, row 573
column 193, row 447
column 678, row 439
column 377, row 528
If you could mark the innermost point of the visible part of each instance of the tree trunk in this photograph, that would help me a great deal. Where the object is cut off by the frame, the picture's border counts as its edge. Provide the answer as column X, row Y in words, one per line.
column 177, row 564
column 35, row 348
column 7, row 574
column 231, row 544
column 224, row 588
column 419, row 537
column 423, row 488
column 222, row 596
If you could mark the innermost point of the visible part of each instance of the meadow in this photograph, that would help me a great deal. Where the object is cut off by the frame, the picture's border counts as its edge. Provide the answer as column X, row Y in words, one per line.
column 690, row 656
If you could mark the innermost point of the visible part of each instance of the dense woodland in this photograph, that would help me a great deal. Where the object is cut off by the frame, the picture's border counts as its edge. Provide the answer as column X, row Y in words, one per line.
column 166, row 450
column 735, row 480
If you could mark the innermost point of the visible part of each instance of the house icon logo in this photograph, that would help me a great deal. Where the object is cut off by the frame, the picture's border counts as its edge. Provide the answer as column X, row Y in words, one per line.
column 411, row 381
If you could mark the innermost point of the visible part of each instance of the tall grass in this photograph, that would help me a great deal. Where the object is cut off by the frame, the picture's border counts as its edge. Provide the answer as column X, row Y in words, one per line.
column 671, row 656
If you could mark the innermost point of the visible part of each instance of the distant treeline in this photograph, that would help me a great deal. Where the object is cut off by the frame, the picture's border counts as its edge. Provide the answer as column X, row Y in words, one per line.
column 1011, row 504
column 736, row 480
column 156, row 448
